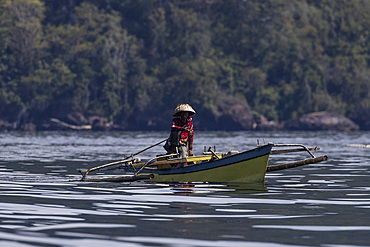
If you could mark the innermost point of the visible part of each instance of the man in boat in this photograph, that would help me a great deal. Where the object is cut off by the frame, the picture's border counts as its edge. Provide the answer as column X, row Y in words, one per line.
column 182, row 133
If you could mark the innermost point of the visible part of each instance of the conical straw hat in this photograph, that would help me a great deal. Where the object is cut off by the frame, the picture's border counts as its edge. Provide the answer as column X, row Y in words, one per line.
column 183, row 108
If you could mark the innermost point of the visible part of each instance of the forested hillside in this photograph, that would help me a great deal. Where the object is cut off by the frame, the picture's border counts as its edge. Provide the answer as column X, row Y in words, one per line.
column 128, row 63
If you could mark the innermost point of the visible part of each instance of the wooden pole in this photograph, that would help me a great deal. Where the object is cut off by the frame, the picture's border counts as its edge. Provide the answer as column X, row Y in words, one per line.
column 359, row 145
column 119, row 178
column 295, row 164
column 120, row 161
column 283, row 151
column 210, row 150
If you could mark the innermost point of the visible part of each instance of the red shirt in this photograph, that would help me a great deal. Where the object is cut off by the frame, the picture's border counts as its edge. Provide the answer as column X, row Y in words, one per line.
column 185, row 135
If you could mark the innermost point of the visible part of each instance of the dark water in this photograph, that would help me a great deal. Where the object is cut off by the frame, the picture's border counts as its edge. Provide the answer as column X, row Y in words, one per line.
column 324, row 204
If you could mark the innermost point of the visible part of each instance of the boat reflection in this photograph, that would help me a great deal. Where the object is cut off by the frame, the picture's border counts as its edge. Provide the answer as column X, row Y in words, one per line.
column 214, row 188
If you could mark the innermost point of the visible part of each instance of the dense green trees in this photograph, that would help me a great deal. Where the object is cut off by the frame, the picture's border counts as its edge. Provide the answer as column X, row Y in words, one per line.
column 133, row 61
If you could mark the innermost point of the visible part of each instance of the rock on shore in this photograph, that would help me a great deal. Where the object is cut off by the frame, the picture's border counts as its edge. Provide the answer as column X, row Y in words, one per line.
column 322, row 121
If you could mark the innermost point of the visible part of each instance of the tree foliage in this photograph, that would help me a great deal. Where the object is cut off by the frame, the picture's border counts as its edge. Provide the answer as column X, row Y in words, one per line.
column 133, row 61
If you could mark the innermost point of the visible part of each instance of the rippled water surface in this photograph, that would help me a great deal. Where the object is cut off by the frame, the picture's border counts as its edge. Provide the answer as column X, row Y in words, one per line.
column 323, row 204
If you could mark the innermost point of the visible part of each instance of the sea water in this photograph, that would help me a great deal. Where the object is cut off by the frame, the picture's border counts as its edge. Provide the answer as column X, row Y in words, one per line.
column 322, row 204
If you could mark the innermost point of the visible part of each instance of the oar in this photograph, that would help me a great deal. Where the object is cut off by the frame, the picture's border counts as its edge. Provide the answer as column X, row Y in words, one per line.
column 120, row 161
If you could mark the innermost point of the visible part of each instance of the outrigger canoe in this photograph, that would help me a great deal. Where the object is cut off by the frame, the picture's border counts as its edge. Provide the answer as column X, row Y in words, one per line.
column 248, row 166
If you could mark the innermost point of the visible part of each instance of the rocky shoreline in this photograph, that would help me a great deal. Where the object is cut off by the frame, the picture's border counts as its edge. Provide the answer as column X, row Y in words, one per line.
column 236, row 119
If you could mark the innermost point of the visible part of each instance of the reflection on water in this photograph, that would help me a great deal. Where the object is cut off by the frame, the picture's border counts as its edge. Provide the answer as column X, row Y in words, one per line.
column 323, row 204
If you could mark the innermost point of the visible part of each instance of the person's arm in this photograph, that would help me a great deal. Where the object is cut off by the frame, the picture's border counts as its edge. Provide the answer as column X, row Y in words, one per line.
column 174, row 125
column 191, row 138
column 190, row 150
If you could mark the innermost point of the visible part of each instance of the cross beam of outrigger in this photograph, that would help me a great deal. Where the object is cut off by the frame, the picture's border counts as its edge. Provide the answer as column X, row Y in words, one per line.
column 312, row 160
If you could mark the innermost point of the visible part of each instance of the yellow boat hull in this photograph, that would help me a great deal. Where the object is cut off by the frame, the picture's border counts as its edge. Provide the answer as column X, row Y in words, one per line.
column 245, row 171
column 248, row 167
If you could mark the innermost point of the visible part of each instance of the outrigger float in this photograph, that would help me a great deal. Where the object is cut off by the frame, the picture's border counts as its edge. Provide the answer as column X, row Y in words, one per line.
column 249, row 166
column 359, row 145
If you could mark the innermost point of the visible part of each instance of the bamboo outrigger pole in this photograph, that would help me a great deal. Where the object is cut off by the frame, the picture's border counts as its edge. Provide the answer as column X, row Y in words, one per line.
column 120, row 161
column 299, row 145
column 297, row 163
column 312, row 160
column 283, row 151
column 359, row 145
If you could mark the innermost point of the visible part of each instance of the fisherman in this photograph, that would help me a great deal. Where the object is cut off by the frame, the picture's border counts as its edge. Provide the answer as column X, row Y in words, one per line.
column 182, row 133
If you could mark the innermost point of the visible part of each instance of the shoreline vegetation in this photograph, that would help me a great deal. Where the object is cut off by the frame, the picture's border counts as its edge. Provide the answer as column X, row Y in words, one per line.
column 242, row 65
